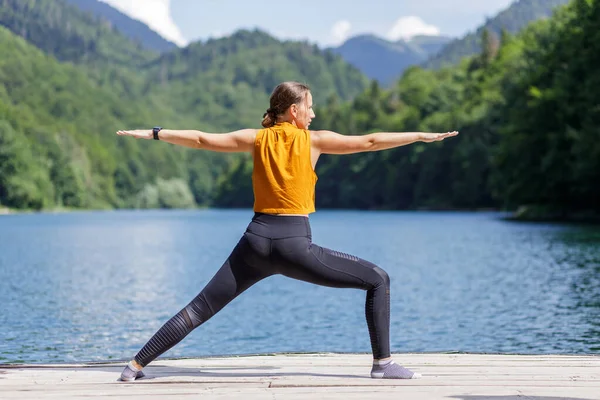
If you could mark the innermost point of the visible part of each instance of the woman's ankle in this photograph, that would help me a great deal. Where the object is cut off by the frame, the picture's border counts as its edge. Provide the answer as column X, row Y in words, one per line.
column 379, row 361
column 136, row 365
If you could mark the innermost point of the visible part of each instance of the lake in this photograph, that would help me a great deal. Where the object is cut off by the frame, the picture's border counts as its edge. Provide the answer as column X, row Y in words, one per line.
column 91, row 286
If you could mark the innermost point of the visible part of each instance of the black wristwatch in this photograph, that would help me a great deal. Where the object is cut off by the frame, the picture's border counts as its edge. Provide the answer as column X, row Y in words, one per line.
column 155, row 131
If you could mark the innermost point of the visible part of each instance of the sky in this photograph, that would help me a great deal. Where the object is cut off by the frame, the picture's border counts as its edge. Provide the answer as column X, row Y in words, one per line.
column 324, row 22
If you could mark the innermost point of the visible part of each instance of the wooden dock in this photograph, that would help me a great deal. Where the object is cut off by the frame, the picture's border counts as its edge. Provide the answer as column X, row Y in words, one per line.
column 314, row 376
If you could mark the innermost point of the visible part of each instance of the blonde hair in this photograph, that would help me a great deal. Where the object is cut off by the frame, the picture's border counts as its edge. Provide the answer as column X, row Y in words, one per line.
column 283, row 96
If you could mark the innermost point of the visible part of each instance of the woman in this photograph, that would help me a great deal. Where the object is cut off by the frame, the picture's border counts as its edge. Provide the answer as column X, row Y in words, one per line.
column 278, row 239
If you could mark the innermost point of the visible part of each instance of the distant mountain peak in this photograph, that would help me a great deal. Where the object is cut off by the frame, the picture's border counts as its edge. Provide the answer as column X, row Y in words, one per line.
column 129, row 27
column 385, row 60
column 428, row 38
column 514, row 18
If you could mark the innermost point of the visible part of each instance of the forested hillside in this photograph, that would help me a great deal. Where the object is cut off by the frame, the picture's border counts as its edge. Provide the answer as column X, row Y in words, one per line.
column 134, row 30
column 62, row 102
column 70, row 34
column 57, row 135
column 511, row 20
column 526, row 107
column 527, row 111
column 385, row 60
column 227, row 82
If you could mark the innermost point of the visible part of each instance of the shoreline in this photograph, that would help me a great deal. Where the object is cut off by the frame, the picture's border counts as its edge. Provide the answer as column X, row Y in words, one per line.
column 523, row 214
column 535, row 213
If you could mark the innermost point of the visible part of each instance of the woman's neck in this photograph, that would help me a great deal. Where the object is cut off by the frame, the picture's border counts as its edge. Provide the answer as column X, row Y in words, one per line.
column 281, row 121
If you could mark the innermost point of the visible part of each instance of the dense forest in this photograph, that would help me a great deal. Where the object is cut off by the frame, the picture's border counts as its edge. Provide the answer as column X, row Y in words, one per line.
column 527, row 107
column 62, row 100
column 70, row 34
column 512, row 20
column 385, row 61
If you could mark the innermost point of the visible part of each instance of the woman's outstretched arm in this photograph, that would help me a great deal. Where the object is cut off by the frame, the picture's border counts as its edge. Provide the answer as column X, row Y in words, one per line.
column 327, row 142
column 237, row 141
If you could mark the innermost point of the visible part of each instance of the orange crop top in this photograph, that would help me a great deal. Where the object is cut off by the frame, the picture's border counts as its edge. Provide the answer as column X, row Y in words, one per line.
column 283, row 178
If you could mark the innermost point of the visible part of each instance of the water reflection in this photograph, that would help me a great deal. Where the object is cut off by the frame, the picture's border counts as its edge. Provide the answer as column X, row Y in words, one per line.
column 578, row 250
column 95, row 286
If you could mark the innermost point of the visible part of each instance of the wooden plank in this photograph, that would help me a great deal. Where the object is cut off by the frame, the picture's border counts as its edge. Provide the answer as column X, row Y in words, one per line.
column 326, row 376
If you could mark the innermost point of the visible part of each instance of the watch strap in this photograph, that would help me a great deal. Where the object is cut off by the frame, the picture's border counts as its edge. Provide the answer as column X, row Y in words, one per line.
column 155, row 131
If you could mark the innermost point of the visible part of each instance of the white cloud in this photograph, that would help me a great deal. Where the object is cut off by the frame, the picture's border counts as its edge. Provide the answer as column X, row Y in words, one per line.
column 407, row 27
column 154, row 13
column 340, row 31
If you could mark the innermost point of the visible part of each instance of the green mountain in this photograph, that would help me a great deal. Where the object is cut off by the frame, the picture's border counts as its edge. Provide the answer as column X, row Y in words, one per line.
column 517, row 16
column 528, row 131
column 429, row 44
column 71, row 81
column 70, row 34
column 56, row 132
column 214, row 81
column 528, row 138
column 384, row 60
column 133, row 29
column 227, row 82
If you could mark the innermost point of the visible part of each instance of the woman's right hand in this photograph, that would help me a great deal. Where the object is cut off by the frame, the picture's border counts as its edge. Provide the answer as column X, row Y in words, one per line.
column 138, row 134
column 436, row 137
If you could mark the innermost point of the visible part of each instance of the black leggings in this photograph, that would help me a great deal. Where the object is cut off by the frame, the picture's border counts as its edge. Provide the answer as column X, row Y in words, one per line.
column 280, row 245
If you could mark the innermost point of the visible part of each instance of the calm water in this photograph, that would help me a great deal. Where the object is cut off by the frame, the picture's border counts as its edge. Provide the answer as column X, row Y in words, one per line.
column 96, row 285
